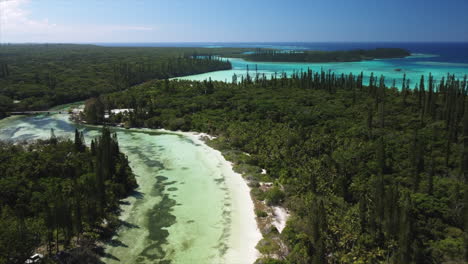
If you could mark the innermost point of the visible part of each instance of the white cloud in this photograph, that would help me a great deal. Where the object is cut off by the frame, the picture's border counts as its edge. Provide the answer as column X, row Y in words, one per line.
column 16, row 19
column 17, row 25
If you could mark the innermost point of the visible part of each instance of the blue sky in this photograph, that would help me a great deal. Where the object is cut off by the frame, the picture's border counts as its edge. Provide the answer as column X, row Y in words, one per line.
column 232, row 21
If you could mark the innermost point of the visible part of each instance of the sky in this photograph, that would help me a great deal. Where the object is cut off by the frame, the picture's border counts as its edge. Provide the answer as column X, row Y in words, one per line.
column 91, row 21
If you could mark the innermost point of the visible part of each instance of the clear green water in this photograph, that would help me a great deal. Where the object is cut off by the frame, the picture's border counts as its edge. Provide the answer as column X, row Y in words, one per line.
column 190, row 206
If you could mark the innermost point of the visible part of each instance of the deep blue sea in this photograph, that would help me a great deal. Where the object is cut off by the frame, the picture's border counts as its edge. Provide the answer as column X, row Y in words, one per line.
column 439, row 59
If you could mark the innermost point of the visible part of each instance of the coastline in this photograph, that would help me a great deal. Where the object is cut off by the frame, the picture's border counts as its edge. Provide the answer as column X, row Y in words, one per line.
column 244, row 233
column 265, row 230
column 242, row 247
column 255, row 225
column 256, row 231
column 244, row 230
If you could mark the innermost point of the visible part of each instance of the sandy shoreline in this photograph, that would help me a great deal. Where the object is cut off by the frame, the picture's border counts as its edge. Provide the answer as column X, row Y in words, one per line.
column 245, row 233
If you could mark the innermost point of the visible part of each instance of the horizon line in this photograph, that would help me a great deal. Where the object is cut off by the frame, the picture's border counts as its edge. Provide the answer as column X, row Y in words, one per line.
column 231, row 42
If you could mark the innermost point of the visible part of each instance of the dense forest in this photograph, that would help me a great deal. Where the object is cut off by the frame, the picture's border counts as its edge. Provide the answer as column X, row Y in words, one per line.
column 36, row 77
column 324, row 56
column 39, row 76
column 372, row 174
column 59, row 194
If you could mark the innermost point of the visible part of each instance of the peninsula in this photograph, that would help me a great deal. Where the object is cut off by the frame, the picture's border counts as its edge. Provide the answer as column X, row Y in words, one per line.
column 269, row 55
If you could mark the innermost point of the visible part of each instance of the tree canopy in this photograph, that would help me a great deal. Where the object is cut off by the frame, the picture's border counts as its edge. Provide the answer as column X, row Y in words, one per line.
column 43, row 75
column 324, row 56
column 57, row 194
column 372, row 174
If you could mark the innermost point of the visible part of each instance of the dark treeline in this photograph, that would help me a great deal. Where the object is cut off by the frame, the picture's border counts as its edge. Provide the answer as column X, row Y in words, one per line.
column 372, row 174
column 41, row 76
column 58, row 194
column 325, row 56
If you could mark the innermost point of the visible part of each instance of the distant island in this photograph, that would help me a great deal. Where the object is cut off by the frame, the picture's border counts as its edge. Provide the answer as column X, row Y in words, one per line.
column 269, row 55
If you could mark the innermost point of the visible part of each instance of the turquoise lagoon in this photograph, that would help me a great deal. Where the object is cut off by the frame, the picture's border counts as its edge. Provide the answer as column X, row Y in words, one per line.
column 392, row 69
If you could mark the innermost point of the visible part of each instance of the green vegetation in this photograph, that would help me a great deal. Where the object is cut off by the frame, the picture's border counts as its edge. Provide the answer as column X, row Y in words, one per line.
column 324, row 56
column 60, row 194
column 38, row 77
column 93, row 111
column 260, row 213
column 5, row 104
column 41, row 76
column 371, row 174
column 274, row 196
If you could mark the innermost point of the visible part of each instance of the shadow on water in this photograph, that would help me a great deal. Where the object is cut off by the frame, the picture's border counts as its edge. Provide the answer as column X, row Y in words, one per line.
column 110, row 256
column 137, row 195
column 117, row 243
column 128, row 225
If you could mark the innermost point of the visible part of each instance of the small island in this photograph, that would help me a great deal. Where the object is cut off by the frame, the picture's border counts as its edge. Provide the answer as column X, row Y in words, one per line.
column 270, row 55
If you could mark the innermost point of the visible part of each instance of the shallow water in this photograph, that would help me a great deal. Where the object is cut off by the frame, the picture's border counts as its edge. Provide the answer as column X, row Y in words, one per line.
column 190, row 206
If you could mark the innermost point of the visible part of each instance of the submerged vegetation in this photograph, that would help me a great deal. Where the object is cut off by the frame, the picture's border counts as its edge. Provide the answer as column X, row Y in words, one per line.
column 60, row 194
column 372, row 174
